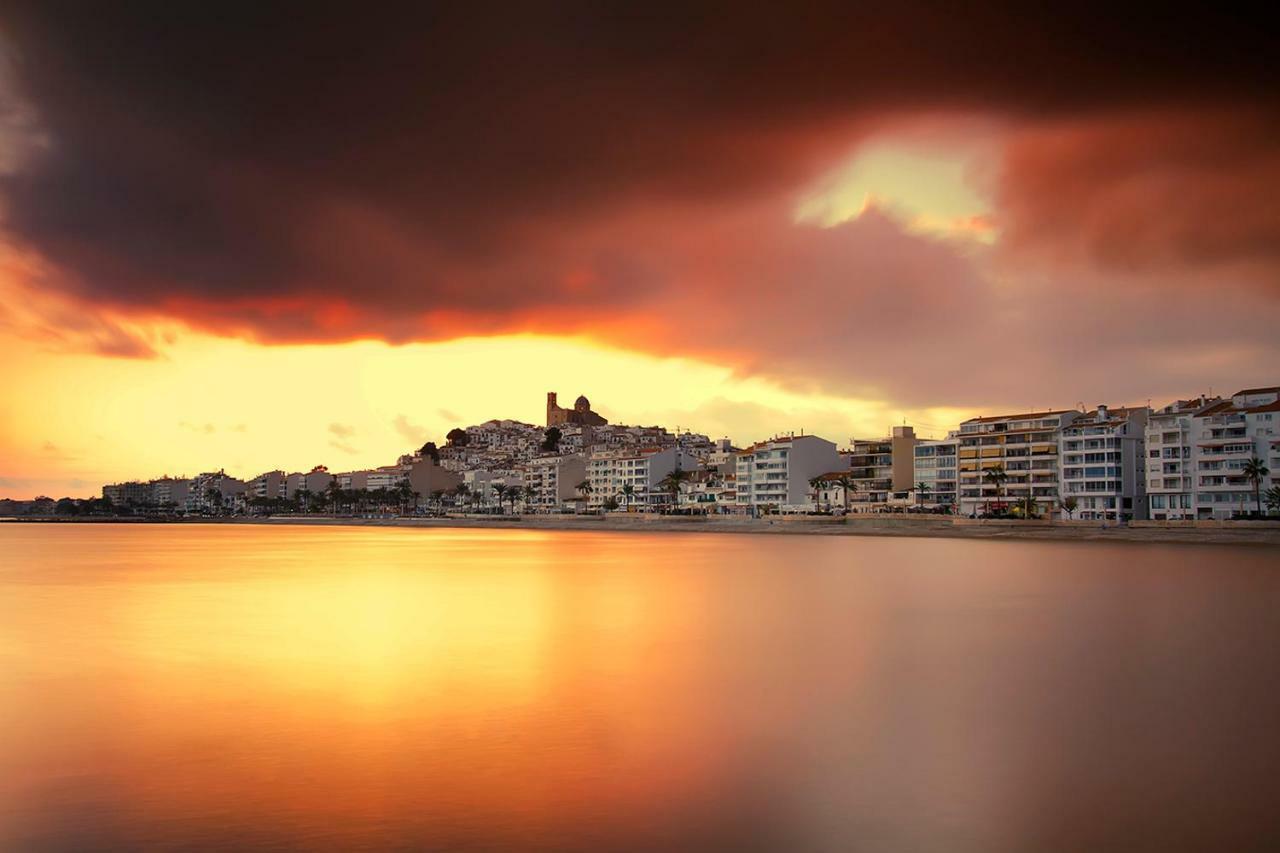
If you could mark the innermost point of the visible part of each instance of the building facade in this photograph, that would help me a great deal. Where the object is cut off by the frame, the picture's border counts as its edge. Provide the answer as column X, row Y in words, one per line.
column 1025, row 447
column 936, row 472
column 580, row 414
column 1104, row 464
column 879, row 467
column 610, row 471
column 551, row 481
column 774, row 475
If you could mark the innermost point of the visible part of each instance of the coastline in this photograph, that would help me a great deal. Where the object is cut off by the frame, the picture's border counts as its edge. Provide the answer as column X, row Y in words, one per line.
column 783, row 525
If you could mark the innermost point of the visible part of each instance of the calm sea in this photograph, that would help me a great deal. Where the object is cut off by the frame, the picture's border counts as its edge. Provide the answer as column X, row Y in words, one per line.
column 244, row 688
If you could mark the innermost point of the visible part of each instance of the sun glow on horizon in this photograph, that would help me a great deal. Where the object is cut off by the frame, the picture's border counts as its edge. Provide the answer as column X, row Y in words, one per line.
column 208, row 402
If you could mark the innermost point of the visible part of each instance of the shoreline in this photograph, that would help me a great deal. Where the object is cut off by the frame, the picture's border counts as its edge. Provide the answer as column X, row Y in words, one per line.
column 937, row 528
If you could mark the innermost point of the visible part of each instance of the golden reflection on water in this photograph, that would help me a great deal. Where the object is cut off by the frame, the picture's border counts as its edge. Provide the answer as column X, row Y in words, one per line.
column 252, row 686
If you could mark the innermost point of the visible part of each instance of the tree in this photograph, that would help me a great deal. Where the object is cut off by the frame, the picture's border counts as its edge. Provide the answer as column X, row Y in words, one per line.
column 846, row 484
column 551, row 439
column 1029, row 506
column 430, row 450
column 628, row 492
column 672, row 483
column 610, row 504
column 530, row 498
column 1255, row 470
column 213, row 498
column 1273, row 499
column 437, row 497
column 457, row 437
column 1069, row 504
column 996, row 476
column 500, row 492
column 335, row 491
column 584, row 488
column 304, row 499
column 922, row 492
column 67, row 506
column 460, row 493
column 816, row 483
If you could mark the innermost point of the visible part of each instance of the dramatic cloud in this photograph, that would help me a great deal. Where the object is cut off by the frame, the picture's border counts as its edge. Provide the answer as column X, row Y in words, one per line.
column 298, row 175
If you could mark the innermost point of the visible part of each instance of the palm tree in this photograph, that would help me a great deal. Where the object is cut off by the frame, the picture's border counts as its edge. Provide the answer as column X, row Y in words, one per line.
column 995, row 475
column 816, row 483
column 1255, row 469
column 213, row 497
column 628, row 492
column 335, row 490
column 304, row 497
column 437, row 498
column 530, row 497
column 672, row 482
column 584, row 488
column 1273, row 499
column 610, row 504
column 846, row 484
column 460, row 493
column 500, row 492
column 922, row 491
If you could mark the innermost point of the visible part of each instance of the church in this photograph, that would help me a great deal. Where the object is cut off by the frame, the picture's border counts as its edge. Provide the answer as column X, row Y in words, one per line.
column 580, row 414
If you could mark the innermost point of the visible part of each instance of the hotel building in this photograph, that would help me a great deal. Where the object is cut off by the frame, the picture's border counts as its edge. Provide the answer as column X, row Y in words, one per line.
column 1025, row 445
column 1103, row 464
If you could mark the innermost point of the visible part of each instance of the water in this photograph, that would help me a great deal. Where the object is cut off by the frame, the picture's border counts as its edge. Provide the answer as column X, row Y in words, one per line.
column 240, row 687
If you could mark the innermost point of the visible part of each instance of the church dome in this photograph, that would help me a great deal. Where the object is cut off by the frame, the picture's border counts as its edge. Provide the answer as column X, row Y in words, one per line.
column 582, row 404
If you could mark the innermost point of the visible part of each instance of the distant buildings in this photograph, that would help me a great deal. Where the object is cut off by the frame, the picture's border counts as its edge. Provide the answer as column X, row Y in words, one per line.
column 1112, row 464
column 580, row 414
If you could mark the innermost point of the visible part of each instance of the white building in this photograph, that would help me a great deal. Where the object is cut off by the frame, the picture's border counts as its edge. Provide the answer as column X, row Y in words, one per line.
column 1104, row 464
column 1197, row 450
column 879, row 467
column 553, row 481
column 644, row 469
column 1025, row 447
column 936, row 471
column 774, row 475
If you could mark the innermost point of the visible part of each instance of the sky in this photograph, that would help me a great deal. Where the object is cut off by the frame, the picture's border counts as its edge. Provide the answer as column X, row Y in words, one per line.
column 274, row 238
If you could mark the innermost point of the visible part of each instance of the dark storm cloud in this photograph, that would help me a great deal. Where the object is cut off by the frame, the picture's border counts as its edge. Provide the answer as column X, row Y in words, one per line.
column 306, row 172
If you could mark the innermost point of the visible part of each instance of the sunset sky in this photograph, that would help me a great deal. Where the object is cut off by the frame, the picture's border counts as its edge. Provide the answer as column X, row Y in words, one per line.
column 288, row 237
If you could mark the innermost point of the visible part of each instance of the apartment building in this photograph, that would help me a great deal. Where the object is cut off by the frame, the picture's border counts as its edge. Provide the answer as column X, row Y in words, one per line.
column 553, row 480
column 170, row 491
column 879, row 467
column 936, row 471
column 1025, row 446
column 313, row 482
column 642, row 469
column 268, row 485
column 200, row 497
column 1104, row 464
column 1224, row 437
column 1170, row 467
column 775, row 474
column 128, row 494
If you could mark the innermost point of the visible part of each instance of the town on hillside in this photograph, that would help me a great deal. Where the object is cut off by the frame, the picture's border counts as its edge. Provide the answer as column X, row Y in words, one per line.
column 1201, row 458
